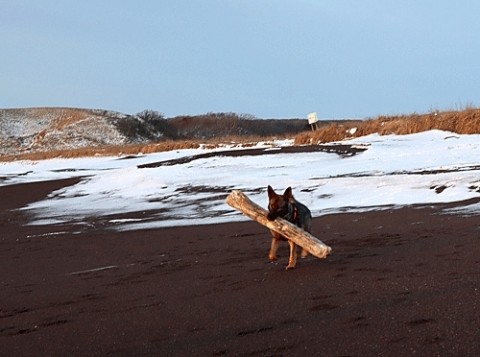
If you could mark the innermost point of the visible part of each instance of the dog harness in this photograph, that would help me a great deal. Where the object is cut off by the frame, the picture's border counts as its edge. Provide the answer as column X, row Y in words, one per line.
column 292, row 213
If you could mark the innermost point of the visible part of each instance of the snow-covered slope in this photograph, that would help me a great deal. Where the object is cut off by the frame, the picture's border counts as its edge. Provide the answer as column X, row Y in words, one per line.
column 46, row 129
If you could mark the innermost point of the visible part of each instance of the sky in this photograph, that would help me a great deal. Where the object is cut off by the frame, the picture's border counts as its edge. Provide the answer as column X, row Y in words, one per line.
column 394, row 171
column 268, row 58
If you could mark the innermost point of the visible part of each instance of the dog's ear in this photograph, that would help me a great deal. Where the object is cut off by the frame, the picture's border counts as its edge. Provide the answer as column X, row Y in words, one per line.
column 288, row 193
column 271, row 192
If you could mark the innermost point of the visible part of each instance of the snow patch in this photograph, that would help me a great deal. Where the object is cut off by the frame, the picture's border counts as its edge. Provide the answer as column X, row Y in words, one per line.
column 422, row 168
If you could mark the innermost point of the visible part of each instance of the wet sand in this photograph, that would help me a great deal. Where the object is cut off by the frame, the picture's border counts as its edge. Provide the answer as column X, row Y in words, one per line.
column 399, row 282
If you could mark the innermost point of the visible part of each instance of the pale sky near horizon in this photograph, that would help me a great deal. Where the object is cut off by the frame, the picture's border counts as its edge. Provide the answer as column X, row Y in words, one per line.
column 268, row 58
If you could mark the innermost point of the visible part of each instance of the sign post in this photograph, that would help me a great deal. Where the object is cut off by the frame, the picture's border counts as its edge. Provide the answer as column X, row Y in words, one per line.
column 313, row 121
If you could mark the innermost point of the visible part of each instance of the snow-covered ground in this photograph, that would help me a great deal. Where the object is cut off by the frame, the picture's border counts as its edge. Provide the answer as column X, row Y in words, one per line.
column 421, row 168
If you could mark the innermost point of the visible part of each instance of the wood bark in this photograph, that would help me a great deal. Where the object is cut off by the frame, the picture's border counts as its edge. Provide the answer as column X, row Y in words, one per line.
column 313, row 245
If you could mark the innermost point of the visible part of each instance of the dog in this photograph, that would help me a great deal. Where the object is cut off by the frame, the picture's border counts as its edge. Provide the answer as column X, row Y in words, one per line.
column 286, row 207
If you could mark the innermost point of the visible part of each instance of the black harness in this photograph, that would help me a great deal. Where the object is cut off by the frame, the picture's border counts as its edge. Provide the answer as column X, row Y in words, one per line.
column 292, row 215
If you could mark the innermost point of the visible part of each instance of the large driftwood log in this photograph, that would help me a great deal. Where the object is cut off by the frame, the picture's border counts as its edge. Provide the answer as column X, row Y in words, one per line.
column 314, row 246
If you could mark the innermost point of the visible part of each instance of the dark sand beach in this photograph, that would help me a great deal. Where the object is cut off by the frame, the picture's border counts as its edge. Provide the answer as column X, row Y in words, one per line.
column 399, row 283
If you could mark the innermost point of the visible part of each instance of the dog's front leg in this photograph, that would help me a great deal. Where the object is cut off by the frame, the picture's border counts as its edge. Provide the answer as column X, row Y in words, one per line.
column 272, row 254
column 292, row 260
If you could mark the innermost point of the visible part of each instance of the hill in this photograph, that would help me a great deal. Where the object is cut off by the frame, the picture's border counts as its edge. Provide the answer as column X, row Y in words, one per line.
column 46, row 132
column 49, row 129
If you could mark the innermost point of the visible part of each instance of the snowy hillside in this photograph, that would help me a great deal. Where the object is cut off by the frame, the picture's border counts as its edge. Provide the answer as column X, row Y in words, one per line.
column 73, row 132
column 48, row 129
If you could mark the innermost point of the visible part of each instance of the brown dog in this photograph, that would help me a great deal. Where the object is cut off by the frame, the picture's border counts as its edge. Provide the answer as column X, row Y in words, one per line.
column 286, row 207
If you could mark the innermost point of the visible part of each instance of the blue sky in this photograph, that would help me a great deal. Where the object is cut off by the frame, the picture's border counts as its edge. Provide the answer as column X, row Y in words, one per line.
column 269, row 58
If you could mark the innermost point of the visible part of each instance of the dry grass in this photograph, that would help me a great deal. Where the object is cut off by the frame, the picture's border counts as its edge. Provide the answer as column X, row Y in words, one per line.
column 106, row 151
column 462, row 122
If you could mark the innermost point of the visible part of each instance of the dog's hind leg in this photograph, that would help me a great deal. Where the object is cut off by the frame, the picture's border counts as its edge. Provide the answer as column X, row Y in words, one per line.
column 292, row 260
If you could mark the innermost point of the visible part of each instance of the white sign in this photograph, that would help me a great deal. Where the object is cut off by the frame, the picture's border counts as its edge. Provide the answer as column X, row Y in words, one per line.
column 312, row 118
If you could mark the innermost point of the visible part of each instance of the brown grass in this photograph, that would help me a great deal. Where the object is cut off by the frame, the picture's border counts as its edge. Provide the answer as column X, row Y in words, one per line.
column 106, row 151
column 461, row 122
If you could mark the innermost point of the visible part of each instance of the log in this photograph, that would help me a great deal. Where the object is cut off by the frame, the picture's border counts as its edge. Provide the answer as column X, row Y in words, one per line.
column 313, row 245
